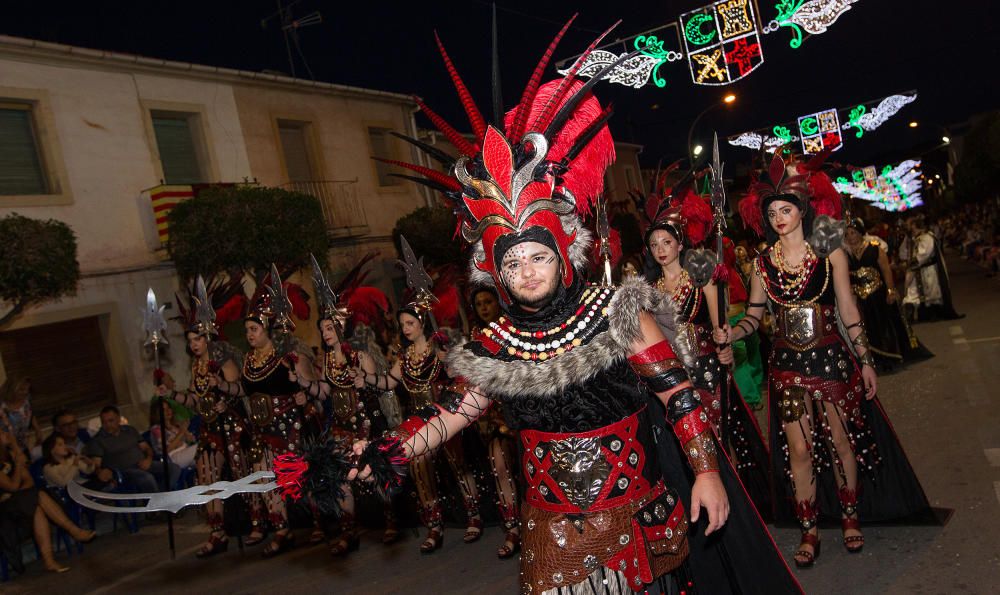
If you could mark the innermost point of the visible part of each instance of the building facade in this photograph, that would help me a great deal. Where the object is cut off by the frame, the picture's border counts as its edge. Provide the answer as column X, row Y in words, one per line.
column 90, row 137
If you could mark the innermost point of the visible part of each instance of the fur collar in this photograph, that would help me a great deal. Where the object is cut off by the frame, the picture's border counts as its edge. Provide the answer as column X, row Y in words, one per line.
column 498, row 378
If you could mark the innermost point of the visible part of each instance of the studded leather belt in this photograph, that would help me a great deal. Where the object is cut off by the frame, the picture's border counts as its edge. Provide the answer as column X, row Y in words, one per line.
column 589, row 471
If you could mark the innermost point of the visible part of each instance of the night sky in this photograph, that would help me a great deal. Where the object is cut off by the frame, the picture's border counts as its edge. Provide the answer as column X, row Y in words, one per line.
column 945, row 50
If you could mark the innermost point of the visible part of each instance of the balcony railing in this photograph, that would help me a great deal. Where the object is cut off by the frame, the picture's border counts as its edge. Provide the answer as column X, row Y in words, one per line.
column 342, row 209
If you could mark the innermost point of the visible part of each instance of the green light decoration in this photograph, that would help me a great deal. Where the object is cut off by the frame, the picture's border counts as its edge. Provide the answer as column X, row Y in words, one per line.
column 886, row 170
column 783, row 133
column 808, row 126
column 858, row 175
column 854, row 120
column 652, row 46
column 694, row 29
column 842, row 180
column 787, row 8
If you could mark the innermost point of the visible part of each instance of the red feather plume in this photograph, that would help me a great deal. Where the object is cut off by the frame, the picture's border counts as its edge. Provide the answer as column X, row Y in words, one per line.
column 299, row 300
column 516, row 130
column 427, row 172
column 475, row 118
column 749, row 208
column 698, row 216
column 455, row 137
column 585, row 174
column 825, row 198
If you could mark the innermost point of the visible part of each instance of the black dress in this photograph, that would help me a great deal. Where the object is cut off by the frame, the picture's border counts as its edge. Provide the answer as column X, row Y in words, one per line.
column 890, row 335
column 815, row 358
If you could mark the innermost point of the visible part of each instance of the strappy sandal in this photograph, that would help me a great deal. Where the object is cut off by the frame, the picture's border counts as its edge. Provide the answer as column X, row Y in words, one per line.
column 214, row 545
column 345, row 544
column 391, row 535
column 252, row 540
column 474, row 531
column 317, row 536
column 281, row 543
column 434, row 541
column 853, row 543
column 804, row 558
column 506, row 551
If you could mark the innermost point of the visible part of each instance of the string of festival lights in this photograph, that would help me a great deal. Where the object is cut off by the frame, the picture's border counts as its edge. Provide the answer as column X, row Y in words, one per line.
column 823, row 128
column 721, row 41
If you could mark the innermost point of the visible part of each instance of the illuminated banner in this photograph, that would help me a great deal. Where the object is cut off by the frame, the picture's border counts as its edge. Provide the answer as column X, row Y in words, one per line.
column 722, row 42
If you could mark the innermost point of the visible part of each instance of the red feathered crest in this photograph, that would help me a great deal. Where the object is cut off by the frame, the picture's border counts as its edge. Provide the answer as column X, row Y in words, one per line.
column 775, row 181
column 541, row 167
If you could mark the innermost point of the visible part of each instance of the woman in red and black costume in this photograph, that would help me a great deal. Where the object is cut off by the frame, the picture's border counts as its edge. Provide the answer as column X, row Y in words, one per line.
column 836, row 448
column 500, row 440
column 275, row 404
column 224, row 430
column 575, row 369
column 673, row 229
column 420, row 372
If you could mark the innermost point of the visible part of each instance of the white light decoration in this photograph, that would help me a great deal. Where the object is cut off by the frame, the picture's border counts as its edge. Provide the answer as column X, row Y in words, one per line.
column 634, row 72
column 895, row 189
column 753, row 140
column 866, row 121
column 814, row 16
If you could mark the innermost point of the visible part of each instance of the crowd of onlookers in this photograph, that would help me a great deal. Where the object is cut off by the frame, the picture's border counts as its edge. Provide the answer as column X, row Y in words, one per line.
column 35, row 471
column 974, row 231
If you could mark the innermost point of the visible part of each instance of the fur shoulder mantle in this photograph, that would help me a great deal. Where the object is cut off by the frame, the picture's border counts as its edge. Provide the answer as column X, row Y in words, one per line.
column 503, row 377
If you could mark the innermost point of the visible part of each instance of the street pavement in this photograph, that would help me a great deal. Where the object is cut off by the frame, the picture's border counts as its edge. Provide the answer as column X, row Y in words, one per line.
column 946, row 411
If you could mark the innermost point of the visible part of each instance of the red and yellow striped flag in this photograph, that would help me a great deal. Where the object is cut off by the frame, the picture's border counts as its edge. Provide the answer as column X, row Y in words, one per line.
column 165, row 198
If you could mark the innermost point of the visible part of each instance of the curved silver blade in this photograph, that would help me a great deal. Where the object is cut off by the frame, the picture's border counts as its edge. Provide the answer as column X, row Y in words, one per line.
column 172, row 501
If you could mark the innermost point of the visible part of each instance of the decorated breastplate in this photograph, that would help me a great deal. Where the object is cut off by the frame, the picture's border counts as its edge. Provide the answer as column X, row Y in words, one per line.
column 866, row 281
column 419, row 375
column 802, row 319
column 343, row 395
column 207, row 397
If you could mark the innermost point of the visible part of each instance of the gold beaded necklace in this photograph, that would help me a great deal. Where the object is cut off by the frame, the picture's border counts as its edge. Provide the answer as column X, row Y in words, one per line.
column 259, row 365
column 419, row 371
column 200, row 376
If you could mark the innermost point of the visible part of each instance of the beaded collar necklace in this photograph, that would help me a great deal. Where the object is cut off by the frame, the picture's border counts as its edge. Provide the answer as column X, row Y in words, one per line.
column 681, row 293
column 257, row 367
column 541, row 345
column 339, row 375
column 788, row 292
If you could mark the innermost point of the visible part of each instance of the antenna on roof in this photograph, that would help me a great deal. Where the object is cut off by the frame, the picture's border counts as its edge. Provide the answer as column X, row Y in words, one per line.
column 290, row 30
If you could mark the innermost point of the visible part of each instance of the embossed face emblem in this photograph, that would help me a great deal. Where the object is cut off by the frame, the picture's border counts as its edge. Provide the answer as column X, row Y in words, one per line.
column 580, row 469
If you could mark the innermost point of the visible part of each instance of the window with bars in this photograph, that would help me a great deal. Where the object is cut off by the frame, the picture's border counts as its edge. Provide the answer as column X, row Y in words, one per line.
column 381, row 145
column 180, row 156
column 22, row 169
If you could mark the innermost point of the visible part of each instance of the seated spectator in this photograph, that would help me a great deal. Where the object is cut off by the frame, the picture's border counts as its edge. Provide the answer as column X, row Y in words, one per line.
column 24, row 509
column 118, row 447
column 63, row 465
column 65, row 423
column 181, row 443
column 16, row 416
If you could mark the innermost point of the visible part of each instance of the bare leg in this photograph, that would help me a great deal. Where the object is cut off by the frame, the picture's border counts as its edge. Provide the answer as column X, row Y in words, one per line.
column 44, row 540
column 798, row 436
column 507, row 493
column 847, row 465
column 422, row 471
column 276, row 511
column 55, row 513
column 467, row 483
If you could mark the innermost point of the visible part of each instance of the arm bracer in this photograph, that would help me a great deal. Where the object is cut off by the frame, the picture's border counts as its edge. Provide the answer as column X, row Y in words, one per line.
column 663, row 373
